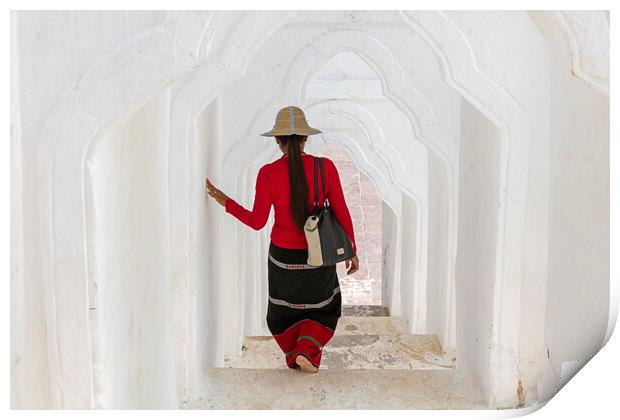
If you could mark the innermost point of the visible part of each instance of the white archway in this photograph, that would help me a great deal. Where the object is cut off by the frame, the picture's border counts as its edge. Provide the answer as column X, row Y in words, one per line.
column 66, row 201
column 462, row 73
column 390, row 190
column 383, row 188
column 66, row 196
column 589, row 48
column 424, row 124
column 465, row 76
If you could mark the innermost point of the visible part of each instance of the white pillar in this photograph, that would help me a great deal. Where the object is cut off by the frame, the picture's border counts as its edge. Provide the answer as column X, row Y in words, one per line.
column 129, row 173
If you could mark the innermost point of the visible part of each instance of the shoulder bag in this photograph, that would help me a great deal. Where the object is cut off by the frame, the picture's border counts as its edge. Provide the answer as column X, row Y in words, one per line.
column 328, row 242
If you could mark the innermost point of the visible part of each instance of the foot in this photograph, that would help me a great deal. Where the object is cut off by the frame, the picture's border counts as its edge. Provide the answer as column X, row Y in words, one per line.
column 305, row 365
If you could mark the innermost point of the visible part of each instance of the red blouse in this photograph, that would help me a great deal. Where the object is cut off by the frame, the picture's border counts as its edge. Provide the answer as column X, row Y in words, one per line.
column 273, row 188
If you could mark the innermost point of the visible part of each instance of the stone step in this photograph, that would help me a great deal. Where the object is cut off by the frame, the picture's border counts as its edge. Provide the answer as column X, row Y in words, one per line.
column 381, row 325
column 291, row 389
column 365, row 310
column 349, row 352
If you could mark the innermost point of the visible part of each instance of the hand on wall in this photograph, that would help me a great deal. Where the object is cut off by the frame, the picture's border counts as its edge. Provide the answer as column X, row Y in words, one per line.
column 218, row 195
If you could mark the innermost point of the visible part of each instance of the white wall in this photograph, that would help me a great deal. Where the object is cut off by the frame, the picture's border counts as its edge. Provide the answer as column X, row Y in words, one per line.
column 512, row 53
column 438, row 243
column 47, row 40
column 576, row 227
column 409, row 230
column 206, row 318
column 578, row 223
column 390, row 268
column 17, row 246
column 217, row 291
column 130, row 176
column 475, row 262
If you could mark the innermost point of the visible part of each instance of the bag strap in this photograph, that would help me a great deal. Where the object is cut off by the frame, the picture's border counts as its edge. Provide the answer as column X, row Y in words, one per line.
column 316, row 182
column 323, row 182
column 318, row 161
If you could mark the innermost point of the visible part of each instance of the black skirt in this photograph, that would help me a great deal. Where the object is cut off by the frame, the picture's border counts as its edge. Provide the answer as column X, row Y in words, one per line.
column 304, row 304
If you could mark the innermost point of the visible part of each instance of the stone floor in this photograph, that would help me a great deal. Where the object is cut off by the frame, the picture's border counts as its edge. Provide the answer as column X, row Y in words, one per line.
column 288, row 389
column 360, row 342
column 364, row 310
column 370, row 363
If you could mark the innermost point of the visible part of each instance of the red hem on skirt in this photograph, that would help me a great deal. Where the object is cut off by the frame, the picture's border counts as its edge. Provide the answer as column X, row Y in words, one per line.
column 307, row 337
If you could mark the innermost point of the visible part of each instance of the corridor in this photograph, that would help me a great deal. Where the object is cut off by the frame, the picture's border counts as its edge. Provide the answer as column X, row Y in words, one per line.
column 473, row 148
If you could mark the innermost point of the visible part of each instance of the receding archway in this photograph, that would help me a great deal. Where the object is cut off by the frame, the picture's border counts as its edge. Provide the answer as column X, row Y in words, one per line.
column 363, row 287
column 443, row 154
column 471, row 82
column 72, row 203
column 392, row 195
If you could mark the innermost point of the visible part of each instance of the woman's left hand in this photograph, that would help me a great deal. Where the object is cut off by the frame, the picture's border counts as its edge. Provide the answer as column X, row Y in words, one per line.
column 219, row 196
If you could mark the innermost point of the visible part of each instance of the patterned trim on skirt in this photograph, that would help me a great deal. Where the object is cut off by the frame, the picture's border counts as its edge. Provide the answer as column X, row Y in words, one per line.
column 304, row 304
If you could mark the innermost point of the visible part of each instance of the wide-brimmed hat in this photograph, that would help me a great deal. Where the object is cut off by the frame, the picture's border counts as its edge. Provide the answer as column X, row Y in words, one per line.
column 291, row 120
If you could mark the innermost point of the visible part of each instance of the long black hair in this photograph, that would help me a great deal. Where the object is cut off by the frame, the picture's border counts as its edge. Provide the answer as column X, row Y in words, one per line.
column 297, row 178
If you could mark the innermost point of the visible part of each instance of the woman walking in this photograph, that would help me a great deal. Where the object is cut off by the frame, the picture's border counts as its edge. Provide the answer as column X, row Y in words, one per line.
column 304, row 301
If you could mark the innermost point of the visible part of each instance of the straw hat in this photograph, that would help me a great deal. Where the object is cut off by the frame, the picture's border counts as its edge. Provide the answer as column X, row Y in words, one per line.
column 291, row 120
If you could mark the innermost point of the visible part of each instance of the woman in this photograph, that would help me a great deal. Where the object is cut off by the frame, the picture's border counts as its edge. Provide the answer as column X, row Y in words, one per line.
column 304, row 301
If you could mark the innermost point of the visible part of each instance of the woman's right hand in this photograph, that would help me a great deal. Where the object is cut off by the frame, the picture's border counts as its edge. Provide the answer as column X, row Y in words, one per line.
column 352, row 265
